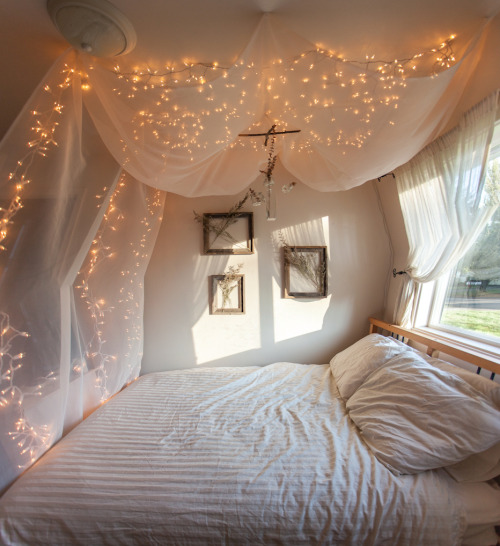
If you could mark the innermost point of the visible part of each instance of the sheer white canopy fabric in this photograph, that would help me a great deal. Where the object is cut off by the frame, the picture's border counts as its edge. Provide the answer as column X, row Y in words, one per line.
column 76, row 233
column 440, row 191
column 356, row 122
column 71, row 271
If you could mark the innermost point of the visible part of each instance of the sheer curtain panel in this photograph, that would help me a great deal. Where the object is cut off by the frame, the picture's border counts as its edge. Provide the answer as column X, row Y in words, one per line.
column 59, row 189
column 440, row 195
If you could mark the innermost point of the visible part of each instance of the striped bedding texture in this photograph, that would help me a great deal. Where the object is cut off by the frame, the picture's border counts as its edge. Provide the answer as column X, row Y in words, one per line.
column 255, row 455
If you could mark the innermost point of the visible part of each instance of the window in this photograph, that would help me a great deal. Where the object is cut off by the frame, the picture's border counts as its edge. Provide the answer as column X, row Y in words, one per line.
column 466, row 301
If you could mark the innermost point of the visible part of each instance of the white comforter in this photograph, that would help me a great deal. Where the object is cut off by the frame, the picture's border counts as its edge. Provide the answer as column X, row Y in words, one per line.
column 226, row 456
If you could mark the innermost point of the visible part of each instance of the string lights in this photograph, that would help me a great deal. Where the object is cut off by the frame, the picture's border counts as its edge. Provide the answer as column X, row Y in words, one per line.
column 199, row 73
column 10, row 362
column 122, row 304
column 31, row 440
column 41, row 141
column 315, row 85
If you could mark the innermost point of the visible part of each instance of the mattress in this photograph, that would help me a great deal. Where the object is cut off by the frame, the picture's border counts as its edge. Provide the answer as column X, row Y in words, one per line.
column 255, row 455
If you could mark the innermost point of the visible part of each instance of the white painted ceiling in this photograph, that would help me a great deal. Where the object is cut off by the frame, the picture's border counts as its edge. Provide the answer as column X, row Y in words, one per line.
column 218, row 30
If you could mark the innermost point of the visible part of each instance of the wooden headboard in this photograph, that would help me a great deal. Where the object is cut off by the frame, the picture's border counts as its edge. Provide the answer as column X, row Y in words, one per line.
column 434, row 346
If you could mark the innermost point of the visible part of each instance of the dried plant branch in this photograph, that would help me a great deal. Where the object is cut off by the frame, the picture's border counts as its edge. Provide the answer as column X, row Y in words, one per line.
column 271, row 157
column 305, row 264
column 220, row 227
column 229, row 282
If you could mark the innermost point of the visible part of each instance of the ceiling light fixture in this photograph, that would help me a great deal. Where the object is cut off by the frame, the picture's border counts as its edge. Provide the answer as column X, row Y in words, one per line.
column 96, row 27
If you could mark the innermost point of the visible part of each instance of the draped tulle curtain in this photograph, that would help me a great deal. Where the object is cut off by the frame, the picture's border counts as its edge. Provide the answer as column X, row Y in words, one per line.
column 76, row 236
column 76, row 232
column 440, row 191
column 108, row 293
column 180, row 130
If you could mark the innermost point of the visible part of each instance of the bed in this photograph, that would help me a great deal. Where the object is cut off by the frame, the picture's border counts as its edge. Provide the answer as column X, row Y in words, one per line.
column 350, row 452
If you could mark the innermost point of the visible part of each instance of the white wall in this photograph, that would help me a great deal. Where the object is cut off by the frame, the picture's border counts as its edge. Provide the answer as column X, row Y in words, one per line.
column 180, row 332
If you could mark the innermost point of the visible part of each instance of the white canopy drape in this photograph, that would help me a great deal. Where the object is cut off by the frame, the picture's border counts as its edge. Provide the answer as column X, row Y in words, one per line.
column 357, row 122
column 81, row 174
column 71, row 271
column 440, row 191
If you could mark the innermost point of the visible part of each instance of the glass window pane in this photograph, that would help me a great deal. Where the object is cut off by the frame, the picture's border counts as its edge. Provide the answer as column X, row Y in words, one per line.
column 472, row 300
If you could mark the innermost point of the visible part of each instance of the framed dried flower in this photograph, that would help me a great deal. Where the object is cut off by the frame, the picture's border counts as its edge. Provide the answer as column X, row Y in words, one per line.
column 228, row 233
column 305, row 271
column 227, row 296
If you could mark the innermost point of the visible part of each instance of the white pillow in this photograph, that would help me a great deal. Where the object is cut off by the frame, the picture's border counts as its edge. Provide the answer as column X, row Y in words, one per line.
column 353, row 365
column 415, row 417
column 483, row 466
column 482, row 384
column 480, row 467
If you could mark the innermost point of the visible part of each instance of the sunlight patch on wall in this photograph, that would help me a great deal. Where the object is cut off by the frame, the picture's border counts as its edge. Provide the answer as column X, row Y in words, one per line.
column 295, row 318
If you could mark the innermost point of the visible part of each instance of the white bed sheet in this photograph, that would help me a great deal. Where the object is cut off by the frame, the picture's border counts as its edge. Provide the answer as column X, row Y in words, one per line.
column 482, row 507
column 226, row 456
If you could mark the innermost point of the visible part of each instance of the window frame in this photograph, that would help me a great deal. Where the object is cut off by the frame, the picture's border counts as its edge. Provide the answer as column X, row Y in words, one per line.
column 429, row 304
column 430, row 300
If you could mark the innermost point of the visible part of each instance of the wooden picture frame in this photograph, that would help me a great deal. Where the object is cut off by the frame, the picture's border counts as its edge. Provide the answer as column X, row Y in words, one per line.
column 227, row 233
column 234, row 304
column 305, row 271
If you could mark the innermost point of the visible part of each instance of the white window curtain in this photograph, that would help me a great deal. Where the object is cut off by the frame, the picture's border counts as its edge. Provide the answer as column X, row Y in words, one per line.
column 440, row 194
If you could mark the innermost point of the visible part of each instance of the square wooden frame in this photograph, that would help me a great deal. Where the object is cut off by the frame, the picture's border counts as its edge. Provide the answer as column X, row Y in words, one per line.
column 216, row 307
column 243, row 216
column 290, row 291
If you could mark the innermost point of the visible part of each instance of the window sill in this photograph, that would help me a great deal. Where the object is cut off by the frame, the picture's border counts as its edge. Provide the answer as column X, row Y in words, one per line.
column 481, row 349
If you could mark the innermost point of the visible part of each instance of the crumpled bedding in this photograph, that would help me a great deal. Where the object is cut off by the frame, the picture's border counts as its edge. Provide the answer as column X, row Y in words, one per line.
column 255, row 455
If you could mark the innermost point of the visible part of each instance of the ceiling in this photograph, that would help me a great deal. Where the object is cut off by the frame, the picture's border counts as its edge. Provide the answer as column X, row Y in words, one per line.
column 218, row 30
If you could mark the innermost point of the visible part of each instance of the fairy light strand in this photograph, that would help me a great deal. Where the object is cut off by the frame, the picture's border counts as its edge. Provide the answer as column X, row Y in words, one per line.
column 10, row 362
column 41, row 141
column 100, row 311
column 195, row 73
column 31, row 440
column 317, row 84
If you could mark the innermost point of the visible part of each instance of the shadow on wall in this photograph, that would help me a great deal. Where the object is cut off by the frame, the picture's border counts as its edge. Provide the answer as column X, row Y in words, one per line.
column 180, row 332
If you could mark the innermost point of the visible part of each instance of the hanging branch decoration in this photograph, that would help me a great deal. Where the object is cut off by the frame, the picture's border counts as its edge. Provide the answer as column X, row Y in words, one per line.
column 219, row 228
column 258, row 197
column 271, row 156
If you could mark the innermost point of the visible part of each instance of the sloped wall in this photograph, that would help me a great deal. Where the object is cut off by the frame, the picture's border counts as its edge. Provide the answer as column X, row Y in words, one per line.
column 180, row 332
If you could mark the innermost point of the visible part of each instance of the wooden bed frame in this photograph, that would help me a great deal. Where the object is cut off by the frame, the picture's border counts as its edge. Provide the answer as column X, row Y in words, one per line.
column 434, row 346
